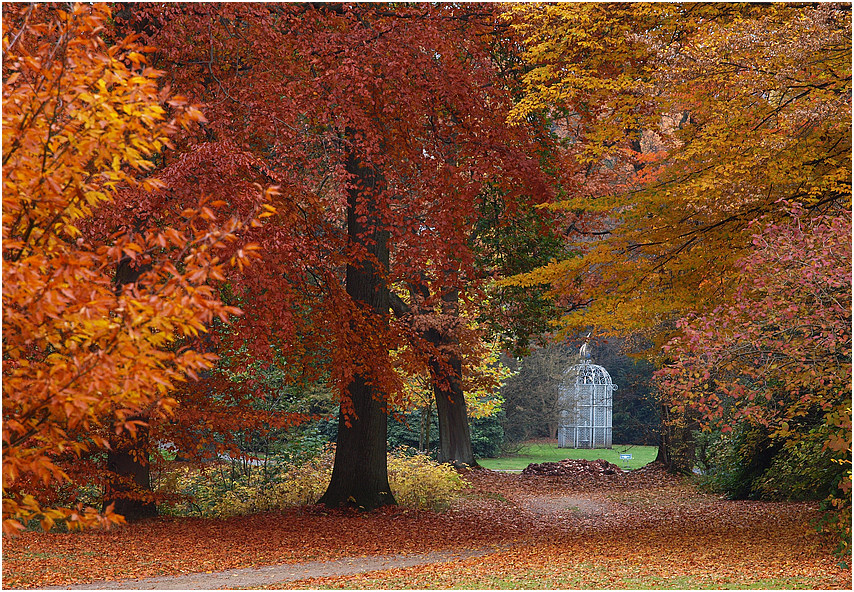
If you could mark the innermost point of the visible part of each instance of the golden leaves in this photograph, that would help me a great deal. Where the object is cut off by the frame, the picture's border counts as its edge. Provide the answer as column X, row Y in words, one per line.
column 747, row 106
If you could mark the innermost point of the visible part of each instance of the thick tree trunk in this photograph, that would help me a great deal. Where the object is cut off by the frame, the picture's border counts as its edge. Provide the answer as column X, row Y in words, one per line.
column 128, row 468
column 128, row 485
column 454, row 432
column 360, row 471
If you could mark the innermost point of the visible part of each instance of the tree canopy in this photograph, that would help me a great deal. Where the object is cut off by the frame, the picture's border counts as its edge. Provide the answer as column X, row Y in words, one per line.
column 691, row 120
column 81, row 351
column 679, row 172
column 715, row 144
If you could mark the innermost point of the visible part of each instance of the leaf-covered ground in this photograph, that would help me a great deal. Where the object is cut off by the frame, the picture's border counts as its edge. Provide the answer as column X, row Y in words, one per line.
column 637, row 530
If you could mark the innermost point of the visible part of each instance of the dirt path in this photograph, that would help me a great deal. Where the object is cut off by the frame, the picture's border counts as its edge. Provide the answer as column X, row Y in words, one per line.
column 546, row 506
column 560, row 505
column 250, row 577
column 644, row 529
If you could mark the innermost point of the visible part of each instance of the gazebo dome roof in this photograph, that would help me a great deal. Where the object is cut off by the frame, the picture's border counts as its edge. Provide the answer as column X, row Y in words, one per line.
column 588, row 373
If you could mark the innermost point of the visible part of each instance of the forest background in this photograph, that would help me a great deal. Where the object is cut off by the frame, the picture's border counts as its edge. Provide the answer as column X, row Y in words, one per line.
column 225, row 223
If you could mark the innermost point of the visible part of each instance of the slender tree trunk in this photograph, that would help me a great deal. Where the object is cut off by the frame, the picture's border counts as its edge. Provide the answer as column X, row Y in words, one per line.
column 454, row 432
column 128, row 484
column 360, row 471
column 676, row 446
column 424, row 439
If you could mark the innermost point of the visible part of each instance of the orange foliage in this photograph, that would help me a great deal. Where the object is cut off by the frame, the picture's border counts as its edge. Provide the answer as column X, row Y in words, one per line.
column 691, row 120
column 82, row 120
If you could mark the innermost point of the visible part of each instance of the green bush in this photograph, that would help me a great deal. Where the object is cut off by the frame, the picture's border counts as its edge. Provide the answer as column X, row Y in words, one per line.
column 734, row 463
column 748, row 464
column 416, row 482
column 487, row 435
column 802, row 470
column 404, row 432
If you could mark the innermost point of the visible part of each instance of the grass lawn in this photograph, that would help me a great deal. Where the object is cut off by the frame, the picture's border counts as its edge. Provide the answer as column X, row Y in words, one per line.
column 543, row 451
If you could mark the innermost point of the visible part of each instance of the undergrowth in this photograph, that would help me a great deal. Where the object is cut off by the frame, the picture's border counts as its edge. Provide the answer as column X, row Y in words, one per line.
column 416, row 482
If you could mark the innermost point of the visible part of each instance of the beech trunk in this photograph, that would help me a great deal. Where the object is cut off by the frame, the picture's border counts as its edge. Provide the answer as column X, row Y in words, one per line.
column 128, row 484
column 676, row 446
column 454, row 432
column 360, row 470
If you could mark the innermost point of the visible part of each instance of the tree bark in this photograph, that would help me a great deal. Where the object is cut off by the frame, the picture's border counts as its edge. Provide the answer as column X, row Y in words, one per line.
column 128, row 485
column 454, row 431
column 360, row 470
column 446, row 376
column 424, row 436
column 676, row 442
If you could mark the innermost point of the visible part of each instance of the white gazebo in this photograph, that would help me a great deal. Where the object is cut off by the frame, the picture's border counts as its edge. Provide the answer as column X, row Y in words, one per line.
column 585, row 400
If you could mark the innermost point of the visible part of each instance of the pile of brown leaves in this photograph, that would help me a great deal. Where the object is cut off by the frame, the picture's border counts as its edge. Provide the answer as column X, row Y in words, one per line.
column 572, row 466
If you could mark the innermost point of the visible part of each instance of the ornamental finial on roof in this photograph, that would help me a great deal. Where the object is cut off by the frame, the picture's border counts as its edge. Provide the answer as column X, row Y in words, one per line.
column 585, row 349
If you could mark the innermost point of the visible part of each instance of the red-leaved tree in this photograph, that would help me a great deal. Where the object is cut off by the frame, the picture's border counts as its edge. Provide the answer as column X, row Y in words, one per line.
column 383, row 125
column 778, row 356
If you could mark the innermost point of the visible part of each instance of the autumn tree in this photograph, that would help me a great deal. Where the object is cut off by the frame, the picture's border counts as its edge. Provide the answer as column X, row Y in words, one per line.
column 532, row 393
column 775, row 362
column 690, row 122
column 463, row 375
column 382, row 125
column 701, row 118
column 511, row 239
column 85, row 354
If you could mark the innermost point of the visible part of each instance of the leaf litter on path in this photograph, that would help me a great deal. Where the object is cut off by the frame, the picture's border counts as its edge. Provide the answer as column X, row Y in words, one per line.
column 590, row 530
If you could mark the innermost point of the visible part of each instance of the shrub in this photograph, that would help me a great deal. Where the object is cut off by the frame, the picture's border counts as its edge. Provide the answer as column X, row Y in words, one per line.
column 487, row 433
column 416, row 482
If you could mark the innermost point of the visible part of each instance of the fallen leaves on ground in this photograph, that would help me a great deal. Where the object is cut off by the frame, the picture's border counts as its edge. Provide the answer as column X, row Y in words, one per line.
column 642, row 528
column 573, row 466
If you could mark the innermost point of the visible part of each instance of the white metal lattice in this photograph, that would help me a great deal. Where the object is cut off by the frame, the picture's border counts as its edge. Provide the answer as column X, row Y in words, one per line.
column 585, row 398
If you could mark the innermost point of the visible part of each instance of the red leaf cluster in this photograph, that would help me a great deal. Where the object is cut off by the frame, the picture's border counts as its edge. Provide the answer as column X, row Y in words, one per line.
column 572, row 466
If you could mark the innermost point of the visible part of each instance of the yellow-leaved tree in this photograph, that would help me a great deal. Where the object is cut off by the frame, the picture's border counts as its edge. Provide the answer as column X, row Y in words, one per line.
column 94, row 330
column 483, row 377
column 715, row 141
column 690, row 121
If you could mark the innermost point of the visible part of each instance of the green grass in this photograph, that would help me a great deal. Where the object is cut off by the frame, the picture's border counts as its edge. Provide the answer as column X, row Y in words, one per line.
column 549, row 452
